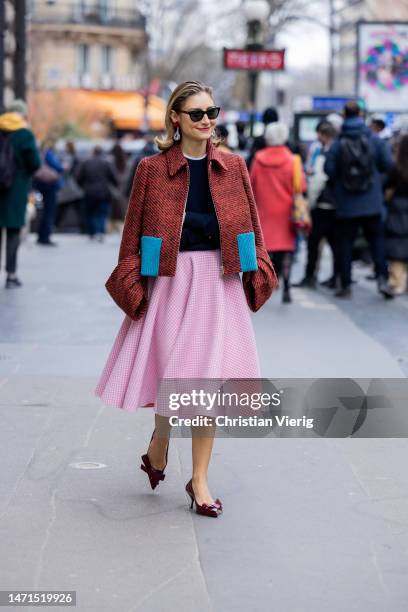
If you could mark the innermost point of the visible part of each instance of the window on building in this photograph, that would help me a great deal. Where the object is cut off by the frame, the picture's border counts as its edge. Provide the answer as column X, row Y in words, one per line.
column 79, row 10
column 83, row 59
column 107, row 59
column 105, row 9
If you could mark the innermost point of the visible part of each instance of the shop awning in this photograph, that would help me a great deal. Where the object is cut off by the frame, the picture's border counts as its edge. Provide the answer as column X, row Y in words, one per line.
column 127, row 109
column 49, row 109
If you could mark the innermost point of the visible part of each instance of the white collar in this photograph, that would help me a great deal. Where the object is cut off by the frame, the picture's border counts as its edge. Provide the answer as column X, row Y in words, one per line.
column 196, row 158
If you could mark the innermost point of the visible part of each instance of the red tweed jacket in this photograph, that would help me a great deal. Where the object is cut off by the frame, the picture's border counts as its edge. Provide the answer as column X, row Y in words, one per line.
column 153, row 224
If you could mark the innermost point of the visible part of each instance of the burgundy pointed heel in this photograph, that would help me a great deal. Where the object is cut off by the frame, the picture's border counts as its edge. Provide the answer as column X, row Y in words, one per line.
column 205, row 509
column 155, row 475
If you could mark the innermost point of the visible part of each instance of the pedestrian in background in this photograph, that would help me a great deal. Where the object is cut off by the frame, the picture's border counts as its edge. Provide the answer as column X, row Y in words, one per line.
column 396, row 224
column 270, row 115
column 96, row 176
column 48, row 180
column 223, row 133
column 242, row 138
column 273, row 181
column 70, row 194
column 19, row 159
column 119, row 200
column 71, row 160
column 148, row 149
column 179, row 284
column 322, row 203
column 379, row 127
column 354, row 163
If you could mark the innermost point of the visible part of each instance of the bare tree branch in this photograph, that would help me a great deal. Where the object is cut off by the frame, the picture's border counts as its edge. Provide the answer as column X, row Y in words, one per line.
column 185, row 34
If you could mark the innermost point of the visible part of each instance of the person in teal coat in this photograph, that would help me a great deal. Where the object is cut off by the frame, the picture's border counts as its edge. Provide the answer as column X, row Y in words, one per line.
column 13, row 201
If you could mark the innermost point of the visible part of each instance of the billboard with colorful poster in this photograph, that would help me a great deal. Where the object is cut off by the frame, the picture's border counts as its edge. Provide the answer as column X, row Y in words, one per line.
column 382, row 65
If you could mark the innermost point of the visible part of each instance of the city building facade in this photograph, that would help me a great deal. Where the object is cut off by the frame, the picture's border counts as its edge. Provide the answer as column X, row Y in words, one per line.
column 86, row 44
column 7, row 52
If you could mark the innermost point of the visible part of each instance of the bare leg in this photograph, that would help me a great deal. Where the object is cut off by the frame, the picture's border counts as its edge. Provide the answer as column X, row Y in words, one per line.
column 158, row 446
column 202, row 444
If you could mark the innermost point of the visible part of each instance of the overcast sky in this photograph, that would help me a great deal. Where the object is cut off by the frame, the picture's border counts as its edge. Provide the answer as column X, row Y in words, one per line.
column 306, row 45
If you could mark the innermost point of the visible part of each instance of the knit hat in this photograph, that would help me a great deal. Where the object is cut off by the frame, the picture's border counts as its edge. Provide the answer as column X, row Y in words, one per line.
column 276, row 134
column 270, row 115
column 18, row 106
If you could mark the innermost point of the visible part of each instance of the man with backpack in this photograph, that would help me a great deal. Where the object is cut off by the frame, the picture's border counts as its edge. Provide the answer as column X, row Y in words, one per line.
column 19, row 159
column 354, row 164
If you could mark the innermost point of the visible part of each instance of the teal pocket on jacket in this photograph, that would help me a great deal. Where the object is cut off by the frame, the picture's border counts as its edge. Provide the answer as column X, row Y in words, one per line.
column 247, row 251
column 150, row 253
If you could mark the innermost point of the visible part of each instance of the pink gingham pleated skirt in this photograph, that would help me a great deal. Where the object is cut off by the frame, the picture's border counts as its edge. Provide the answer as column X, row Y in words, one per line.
column 197, row 325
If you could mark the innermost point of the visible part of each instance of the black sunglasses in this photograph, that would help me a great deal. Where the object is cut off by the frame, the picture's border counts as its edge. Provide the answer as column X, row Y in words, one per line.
column 198, row 114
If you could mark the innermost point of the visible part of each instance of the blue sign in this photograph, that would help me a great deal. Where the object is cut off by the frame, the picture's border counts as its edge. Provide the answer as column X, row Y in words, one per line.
column 245, row 116
column 389, row 119
column 331, row 103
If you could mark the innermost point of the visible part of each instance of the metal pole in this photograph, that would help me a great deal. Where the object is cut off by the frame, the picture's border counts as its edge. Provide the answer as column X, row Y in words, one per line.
column 253, row 82
column 331, row 46
column 254, row 44
column 20, row 52
column 2, row 55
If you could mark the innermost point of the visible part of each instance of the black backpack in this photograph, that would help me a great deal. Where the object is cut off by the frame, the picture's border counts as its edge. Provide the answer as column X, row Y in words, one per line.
column 7, row 161
column 356, row 163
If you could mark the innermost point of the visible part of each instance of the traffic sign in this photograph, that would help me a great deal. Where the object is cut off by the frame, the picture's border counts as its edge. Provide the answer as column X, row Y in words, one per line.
column 246, row 59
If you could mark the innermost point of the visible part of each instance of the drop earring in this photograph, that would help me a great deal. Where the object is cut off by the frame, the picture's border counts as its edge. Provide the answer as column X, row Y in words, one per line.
column 176, row 135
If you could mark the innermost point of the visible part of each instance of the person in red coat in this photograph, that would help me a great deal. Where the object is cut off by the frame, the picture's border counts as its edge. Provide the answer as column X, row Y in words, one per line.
column 272, row 178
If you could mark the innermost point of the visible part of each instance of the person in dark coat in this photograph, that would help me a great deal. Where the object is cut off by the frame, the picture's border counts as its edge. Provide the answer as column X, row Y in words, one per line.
column 119, row 200
column 396, row 224
column 242, row 139
column 49, row 190
column 95, row 176
column 13, row 201
column 359, row 205
column 149, row 148
column 270, row 115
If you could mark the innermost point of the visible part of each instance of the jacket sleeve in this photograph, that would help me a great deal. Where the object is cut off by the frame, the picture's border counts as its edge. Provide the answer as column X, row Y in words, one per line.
column 125, row 285
column 53, row 161
column 384, row 155
column 330, row 165
column 111, row 175
column 79, row 173
column 258, row 284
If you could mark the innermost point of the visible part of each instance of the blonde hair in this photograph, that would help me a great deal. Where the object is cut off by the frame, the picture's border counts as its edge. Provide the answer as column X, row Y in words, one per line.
column 176, row 103
column 48, row 142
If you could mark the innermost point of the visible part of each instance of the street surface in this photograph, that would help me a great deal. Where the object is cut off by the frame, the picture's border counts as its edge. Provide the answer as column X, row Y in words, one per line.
column 309, row 525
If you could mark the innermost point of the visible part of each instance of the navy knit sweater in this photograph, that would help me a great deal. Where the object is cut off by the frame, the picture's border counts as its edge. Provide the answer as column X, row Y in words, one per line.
column 200, row 230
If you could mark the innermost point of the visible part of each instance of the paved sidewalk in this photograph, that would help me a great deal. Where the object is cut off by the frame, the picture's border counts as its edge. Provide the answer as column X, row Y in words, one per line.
column 309, row 525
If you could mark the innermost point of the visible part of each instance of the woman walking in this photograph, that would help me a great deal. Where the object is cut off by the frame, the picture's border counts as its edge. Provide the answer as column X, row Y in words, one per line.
column 272, row 176
column 191, row 227
column 19, row 159
column 96, row 176
column 48, row 181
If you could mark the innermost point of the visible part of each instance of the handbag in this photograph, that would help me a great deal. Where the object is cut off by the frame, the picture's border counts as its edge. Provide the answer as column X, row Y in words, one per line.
column 71, row 191
column 301, row 220
column 46, row 174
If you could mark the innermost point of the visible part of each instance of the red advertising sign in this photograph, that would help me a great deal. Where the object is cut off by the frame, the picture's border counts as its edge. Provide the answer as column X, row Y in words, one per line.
column 245, row 59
